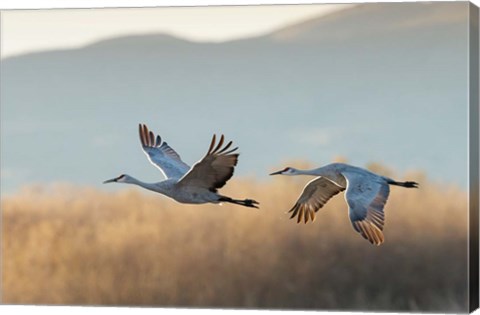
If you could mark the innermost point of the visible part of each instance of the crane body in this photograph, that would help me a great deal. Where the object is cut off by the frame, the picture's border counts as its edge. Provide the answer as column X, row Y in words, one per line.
column 194, row 185
column 366, row 195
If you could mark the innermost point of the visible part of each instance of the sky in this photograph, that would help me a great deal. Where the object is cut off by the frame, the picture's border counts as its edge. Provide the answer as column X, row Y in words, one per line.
column 25, row 31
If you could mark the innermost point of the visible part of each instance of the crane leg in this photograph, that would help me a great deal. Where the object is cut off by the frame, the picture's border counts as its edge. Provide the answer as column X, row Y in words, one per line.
column 246, row 202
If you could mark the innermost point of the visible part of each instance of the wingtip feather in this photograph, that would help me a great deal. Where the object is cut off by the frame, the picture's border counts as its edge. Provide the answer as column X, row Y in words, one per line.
column 145, row 135
column 219, row 145
column 140, row 134
column 151, row 139
column 225, row 148
column 212, row 144
column 370, row 232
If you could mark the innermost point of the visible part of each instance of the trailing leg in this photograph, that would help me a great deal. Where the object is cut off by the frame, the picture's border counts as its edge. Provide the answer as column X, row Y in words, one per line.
column 246, row 202
column 407, row 184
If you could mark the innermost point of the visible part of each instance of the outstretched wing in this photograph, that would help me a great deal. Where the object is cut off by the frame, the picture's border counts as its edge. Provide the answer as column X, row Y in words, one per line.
column 366, row 198
column 215, row 169
column 161, row 154
column 314, row 196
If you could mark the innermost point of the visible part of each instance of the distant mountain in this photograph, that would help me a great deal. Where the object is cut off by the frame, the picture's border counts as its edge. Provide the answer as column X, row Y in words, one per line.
column 375, row 82
column 383, row 20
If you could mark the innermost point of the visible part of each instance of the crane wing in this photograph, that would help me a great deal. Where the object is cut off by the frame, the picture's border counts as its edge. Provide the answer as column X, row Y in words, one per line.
column 314, row 196
column 215, row 169
column 161, row 155
column 366, row 198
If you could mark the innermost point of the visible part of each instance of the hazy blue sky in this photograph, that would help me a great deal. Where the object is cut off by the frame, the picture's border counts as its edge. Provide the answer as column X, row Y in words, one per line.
column 383, row 83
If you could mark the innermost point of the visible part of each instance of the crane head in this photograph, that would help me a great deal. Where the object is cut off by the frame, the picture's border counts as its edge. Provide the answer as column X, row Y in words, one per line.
column 119, row 179
column 285, row 171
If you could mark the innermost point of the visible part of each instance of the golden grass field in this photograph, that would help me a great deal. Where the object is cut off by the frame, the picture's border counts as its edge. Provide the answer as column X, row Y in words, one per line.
column 74, row 245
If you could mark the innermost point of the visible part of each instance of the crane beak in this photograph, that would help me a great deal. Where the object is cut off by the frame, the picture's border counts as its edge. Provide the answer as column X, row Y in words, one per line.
column 113, row 180
column 277, row 173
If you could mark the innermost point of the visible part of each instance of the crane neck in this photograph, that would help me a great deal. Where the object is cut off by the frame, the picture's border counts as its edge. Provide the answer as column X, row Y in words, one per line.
column 313, row 172
column 150, row 186
column 330, row 172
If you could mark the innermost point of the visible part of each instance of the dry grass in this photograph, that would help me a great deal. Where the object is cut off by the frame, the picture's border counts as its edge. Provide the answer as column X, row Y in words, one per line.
column 71, row 245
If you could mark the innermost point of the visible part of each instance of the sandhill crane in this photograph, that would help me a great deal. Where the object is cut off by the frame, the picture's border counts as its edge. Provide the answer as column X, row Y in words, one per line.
column 185, row 184
column 366, row 196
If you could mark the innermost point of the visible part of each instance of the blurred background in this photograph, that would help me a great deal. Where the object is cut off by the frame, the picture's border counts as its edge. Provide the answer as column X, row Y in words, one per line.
column 382, row 86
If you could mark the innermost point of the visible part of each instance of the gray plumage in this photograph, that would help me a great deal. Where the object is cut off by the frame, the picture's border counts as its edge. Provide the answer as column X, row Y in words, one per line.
column 366, row 195
column 196, row 185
